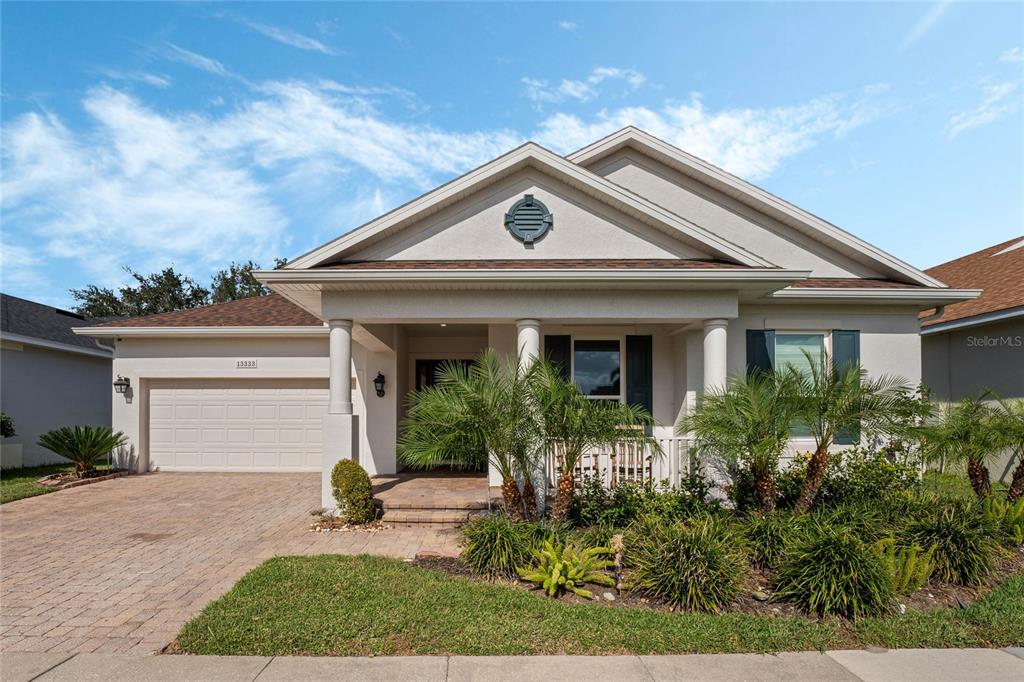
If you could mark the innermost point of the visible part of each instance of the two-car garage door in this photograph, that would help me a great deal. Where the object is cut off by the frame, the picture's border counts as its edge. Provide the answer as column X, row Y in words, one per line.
column 236, row 425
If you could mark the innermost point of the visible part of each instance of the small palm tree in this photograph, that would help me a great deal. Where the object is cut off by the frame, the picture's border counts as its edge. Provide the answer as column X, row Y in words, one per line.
column 83, row 445
column 574, row 424
column 486, row 412
column 830, row 400
column 1008, row 421
column 748, row 422
column 967, row 432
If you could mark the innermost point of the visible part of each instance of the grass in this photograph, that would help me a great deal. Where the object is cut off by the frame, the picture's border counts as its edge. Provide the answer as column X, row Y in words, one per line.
column 332, row 605
column 17, row 484
column 953, row 483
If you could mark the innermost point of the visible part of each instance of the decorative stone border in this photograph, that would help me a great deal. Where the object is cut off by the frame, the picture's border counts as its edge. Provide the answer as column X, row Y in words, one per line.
column 85, row 481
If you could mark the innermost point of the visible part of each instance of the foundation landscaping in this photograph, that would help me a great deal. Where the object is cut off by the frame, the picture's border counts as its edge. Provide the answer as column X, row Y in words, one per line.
column 840, row 548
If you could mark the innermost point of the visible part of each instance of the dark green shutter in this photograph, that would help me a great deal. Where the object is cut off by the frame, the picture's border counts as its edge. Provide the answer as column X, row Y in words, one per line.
column 558, row 347
column 846, row 353
column 640, row 372
column 760, row 351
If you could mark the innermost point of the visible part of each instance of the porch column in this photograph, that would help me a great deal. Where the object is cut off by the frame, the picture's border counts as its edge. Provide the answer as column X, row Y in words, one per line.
column 715, row 354
column 339, row 427
column 527, row 341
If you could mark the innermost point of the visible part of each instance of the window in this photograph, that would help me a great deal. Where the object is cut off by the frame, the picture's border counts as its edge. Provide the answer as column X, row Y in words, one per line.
column 792, row 350
column 597, row 368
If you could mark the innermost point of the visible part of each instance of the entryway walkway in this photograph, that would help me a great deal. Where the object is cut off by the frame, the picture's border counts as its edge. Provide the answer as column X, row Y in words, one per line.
column 904, row 665
column 120, row 566
column 440, row 499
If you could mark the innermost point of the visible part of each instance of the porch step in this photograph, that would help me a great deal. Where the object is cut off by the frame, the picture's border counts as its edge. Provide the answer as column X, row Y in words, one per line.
column 434, row 504
column 429, row 518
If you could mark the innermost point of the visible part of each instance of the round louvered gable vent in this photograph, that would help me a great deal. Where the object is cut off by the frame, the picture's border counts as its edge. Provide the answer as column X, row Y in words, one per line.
column 528, row 220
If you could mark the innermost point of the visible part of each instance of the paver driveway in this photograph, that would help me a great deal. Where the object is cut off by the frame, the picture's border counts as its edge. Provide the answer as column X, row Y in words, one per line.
column 119, row 566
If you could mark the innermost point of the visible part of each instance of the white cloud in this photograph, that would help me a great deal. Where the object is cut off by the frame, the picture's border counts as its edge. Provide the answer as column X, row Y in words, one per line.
column 289, row 37
column 926, row 23
column 750, row 142
column 540, row 91
column 195, row 60
column 997, row 101
column 1012, row 56
column 137, row 76
column 566, row 25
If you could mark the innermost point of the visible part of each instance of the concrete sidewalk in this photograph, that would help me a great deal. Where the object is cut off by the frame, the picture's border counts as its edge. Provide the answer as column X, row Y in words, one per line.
column 905, row 665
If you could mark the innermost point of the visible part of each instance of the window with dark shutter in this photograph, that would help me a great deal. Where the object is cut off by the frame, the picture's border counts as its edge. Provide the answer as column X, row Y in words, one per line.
column 846, row 353
column 558, row 347
column 760, row 351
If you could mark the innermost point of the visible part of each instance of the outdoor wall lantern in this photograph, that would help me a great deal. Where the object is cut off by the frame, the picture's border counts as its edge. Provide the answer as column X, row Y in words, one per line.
column 121, row 384
column 378, row 383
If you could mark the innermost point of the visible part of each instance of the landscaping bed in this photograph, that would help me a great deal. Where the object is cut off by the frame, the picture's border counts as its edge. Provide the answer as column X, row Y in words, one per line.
column 17, row 484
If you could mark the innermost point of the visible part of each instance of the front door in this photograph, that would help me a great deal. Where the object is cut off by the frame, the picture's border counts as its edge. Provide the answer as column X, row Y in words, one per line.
column 426, row 371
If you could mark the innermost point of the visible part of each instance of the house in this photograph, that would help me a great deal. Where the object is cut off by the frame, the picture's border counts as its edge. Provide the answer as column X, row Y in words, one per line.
column 49, row 377
column 978, row 345
column 652, row 274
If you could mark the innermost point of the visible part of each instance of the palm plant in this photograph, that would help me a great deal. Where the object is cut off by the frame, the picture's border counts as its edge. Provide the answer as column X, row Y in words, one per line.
column 830, row 400
column 85, row 446
column 573, row 424
column 967, row 432
column 1008, row 421
column 486, row 411
column 748, row 422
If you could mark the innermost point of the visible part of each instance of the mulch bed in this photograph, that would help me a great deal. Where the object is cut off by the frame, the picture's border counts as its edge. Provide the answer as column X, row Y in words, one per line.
column 935, row 596
column 333, row 524
column 71, row 480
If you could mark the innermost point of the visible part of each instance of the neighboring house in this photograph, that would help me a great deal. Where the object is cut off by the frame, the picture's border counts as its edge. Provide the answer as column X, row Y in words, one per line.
column 650, row 274
column 978, row 345
column 49, row 377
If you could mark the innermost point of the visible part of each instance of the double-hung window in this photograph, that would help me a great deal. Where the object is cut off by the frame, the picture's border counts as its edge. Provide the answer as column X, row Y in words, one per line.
column 597, row 368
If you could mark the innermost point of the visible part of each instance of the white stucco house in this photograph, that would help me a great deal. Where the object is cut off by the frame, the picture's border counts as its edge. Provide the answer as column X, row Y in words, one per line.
column 651, row 274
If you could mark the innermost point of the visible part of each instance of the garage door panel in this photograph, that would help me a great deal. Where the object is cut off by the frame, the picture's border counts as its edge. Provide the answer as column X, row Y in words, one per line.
column 236, row 425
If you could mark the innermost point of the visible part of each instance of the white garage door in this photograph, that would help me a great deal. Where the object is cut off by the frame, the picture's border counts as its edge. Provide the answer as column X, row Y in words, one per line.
column 250, row 425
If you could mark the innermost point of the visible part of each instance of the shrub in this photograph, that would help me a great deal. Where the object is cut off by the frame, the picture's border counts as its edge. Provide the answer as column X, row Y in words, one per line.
column 352, row 491
column 853, row 477
column 833, row 572
column 558, row 568
column 594, row 536
column 964, row 542
column 86, row 446
column 909, row 567
column 1007, row 518
column 695, row 564
column 768, row 536
column 495, row 546
column 629, row 500
column 6, row 426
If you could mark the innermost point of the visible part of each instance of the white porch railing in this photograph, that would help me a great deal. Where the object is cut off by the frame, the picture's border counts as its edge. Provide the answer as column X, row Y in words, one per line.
column 670, row 461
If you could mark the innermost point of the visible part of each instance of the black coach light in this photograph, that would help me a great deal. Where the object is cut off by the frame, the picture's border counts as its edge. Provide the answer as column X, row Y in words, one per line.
column 378, row 383
column 121, row 384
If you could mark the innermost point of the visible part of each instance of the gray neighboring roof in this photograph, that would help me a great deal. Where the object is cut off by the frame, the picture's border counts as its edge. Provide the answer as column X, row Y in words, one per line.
column 29, row 319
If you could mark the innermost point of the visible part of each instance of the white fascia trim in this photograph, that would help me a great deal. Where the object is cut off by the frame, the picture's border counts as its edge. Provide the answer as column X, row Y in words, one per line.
column 930, row 297
column 532, row 155
column 757, row 197
column 56, row 345
column 973, row 321
column 200, row 331
column 326, row 276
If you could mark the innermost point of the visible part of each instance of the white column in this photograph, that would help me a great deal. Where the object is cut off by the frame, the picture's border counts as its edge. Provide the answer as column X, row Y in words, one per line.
column 339, row 431
column 340, row 390
column 527, row 341
column 715, row 354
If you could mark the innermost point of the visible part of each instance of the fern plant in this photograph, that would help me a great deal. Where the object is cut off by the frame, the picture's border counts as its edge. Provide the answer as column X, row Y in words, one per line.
column 561, row 568
column 1007, row 517
column 909, row 566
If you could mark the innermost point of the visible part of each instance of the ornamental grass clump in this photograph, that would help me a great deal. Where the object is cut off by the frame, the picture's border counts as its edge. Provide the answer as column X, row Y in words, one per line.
column 964, row 540
column 833, row 572
column 353, row 492
column 695, row 565
column 567, row 568
column 495, row 546
column 768, row 536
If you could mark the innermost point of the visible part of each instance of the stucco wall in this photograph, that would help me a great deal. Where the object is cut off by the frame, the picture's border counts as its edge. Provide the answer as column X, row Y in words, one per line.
column 43, row 389
column 965, row 362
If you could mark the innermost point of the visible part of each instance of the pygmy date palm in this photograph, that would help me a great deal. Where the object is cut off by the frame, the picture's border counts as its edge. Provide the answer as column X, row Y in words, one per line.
column 964, row 431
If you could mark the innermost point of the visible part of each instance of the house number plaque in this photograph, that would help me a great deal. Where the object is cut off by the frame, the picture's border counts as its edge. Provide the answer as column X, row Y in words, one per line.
column 245, row 364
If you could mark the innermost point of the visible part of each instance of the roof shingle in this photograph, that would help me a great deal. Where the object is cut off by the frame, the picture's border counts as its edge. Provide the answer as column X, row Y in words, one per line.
column 998, row 271
column 38, row 321
column 260, row 311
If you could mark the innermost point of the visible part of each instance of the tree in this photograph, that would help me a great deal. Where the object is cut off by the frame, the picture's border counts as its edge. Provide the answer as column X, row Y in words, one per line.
column 574, row 424
column 966, row 432
column 160, row 292
column 237, row 282
column 1008, row 420
column 749, row 422
column 831, row 400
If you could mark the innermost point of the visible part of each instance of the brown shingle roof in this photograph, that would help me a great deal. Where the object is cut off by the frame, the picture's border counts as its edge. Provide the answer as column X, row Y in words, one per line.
column 851, row 283
column 997, row 270
column 545, row 263
column 259, row 311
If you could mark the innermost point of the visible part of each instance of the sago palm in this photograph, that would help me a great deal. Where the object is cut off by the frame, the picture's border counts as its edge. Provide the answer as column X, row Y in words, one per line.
column 964, row 431
column 748, row 422
column 485, row 412
column 1008, row 421
column 574, row 424
column 86, row 446
column 830, row 400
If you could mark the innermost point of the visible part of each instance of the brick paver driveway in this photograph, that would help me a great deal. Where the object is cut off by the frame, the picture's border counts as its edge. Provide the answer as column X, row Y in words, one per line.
column 119, row 566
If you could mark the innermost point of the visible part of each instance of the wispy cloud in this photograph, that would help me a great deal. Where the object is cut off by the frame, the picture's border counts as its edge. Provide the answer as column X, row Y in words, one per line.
column 286, row 36
column 398, row 37
column 1012, row 56
column 998, row 100
column 567, row 25
column 541, row 91
column 926, row 23
column 194, row 59
column 155, row 80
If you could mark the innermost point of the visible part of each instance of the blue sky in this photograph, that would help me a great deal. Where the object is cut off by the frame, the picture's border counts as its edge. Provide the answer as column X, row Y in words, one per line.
column 195, row 134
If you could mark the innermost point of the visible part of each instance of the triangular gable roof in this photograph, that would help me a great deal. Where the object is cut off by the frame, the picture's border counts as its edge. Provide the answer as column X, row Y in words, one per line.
column 530, row 155
column 753, row 196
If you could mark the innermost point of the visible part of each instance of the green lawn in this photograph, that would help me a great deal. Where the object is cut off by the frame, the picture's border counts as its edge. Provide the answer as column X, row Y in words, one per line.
column 343, row 606
column 16, row 484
